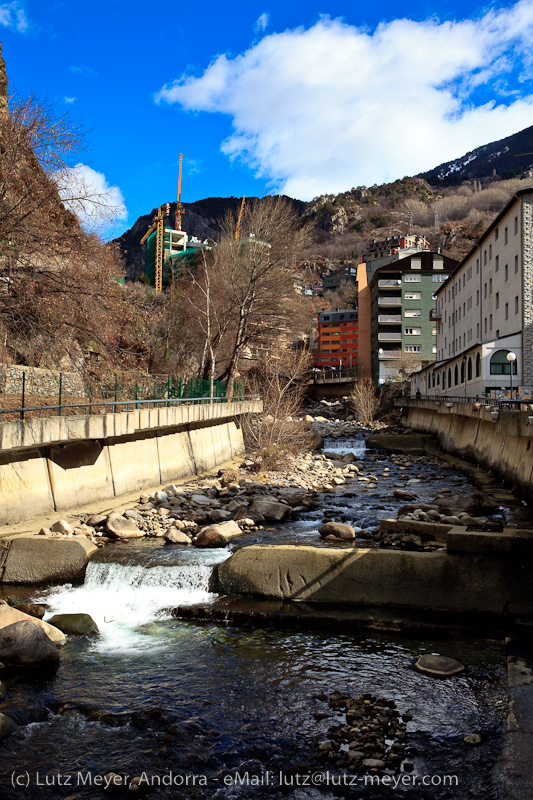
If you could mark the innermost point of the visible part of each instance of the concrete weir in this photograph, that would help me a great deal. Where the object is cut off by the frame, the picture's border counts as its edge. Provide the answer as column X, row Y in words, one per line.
column 55, row 463
column 465, row 582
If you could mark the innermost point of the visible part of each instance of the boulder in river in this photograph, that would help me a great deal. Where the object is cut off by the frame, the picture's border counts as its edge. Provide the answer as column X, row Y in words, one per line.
column 438, row 666
column 210, row 537
column 24, row 644
column 122, row 527
column 32, row 609
column 10, row 616
column 7, row 727
column 270, row 510
column 338, row 529
column 75, row 624
column 177, row 536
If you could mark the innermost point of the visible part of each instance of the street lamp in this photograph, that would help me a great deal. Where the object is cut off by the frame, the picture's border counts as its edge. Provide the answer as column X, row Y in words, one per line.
column 511, row 358
column 380, row 353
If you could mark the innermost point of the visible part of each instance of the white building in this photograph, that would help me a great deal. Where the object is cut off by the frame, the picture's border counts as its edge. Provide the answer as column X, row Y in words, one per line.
column 485, row 311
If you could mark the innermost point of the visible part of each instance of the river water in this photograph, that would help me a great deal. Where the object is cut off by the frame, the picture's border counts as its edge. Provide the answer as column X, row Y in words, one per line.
column 205, row 710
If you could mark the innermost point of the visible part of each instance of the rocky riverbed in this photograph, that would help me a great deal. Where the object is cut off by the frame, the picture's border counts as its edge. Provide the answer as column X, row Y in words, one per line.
column 372, row 708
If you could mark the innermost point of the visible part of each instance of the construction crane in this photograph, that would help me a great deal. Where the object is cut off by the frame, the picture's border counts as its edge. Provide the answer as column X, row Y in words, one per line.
column 239, row 219
column 178, row 204
column 158, row 226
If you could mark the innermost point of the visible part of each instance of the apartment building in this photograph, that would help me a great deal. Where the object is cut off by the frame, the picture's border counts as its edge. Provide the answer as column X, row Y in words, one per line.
column 403, row 335
column 337, row 339
column 485, row 312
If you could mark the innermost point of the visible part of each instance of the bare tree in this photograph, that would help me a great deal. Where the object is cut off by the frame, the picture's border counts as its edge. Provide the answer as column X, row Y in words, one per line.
column 256, row 276
column 280, row 378
column 364, row 399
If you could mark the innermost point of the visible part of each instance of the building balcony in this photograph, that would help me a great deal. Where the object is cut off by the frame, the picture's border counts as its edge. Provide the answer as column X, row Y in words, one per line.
column 389, row 301
column 390, row 337
column 390, row 319
column 435, row 315
column 384, row 355
column 390, row 283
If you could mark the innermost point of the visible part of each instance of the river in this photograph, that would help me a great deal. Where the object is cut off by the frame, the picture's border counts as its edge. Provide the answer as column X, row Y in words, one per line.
column 209, row 710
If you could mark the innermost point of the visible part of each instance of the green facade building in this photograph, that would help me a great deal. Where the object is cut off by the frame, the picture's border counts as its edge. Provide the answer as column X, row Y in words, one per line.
column 403, row 332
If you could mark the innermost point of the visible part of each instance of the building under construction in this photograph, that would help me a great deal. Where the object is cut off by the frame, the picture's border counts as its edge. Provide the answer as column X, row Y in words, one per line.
column 164, row 242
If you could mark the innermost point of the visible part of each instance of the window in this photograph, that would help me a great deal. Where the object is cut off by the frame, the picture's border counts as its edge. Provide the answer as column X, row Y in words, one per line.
column 485, row 290
column 497, row 263
column 412, row 312
column 477, row 297
column 516, row 264
column 490, row 256
column 413, row 348
column 505, row 236
column 456, row 374
column 434, row 350
column 478, row 365
column 439, row 278
column 413, row 295
column 497, row 299
column 469, row 369
column 507, row 311
column 496, row 234
column 516, row 225
column 412, row 278
column 413, row 331
column 477, row 265
column 490, row 285
column 507, row 272
column 516, row 305
column 490, row 322
column 484, row 257
column 463, row 371
column 499, row 364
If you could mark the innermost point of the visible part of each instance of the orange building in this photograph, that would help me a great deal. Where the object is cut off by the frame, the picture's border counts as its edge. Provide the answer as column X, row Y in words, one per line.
column 337, row 339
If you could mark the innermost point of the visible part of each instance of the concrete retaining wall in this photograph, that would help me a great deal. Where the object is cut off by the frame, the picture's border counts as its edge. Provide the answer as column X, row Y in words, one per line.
column 504, row 445
column 57, row 463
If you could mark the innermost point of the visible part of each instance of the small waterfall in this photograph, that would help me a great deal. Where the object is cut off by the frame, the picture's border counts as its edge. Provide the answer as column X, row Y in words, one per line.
column 122, row 598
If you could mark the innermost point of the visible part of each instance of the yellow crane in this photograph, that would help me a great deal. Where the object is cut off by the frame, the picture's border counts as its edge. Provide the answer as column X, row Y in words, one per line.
column 237, row 228
column 178, row 204
column 158, row 226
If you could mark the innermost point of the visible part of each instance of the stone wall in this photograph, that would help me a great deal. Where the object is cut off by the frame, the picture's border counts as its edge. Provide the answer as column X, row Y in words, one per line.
column 39, row 381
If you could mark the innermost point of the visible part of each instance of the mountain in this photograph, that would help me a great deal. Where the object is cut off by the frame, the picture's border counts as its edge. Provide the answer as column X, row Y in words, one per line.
column 201, row 219
column 450, row 205
column 507, row 158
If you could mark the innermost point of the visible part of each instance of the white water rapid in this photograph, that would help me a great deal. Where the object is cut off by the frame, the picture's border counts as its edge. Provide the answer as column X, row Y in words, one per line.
column 122, row 598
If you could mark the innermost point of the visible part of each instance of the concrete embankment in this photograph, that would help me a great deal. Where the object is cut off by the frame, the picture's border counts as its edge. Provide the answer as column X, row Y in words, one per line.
column 497, row 439
column 439, row 581
column 57, row 463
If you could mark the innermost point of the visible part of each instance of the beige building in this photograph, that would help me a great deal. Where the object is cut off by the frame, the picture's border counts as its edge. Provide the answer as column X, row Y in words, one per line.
column 485, row 312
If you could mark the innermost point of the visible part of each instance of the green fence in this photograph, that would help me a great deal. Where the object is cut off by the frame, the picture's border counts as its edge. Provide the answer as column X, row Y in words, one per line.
column 100, row 394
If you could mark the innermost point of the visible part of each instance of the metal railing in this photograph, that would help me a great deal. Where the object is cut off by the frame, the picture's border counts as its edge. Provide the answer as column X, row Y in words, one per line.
column 98, row 396
column 335, row 374
column 478, row 403
column 385, row 319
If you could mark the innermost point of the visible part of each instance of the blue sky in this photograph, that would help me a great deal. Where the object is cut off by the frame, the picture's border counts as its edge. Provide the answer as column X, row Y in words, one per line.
column 307, row 98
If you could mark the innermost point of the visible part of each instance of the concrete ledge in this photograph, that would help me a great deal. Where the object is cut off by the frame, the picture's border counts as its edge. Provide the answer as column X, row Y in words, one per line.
column 54, row 430
column 435, row 581
column 41, row 559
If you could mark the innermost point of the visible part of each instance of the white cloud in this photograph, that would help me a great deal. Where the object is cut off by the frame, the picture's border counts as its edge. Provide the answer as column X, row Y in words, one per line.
column 261, row 23
column 12, row 15
column 70, row 100
column 322, row 109
column 87, row 193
